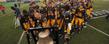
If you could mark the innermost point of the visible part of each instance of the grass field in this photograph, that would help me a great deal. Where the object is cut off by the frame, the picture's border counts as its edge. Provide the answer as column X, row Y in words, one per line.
column 10, row 35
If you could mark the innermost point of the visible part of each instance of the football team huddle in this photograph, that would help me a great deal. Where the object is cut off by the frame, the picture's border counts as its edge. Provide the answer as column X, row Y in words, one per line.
column 58, row 17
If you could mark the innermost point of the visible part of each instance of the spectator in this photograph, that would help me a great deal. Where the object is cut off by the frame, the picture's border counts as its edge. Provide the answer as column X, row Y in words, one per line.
column 16, row 10
column 18, row 16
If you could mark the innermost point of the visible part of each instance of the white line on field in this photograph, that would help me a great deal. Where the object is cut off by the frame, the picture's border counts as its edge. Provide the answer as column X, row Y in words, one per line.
column 21, row 37
column 98, row 17
column 98, row 30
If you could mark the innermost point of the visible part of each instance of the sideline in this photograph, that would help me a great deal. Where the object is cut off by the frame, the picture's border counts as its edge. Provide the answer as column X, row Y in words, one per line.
column 21, row 37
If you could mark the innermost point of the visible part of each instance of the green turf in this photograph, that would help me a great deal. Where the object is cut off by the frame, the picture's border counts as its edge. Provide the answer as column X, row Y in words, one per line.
column 100, row 4
column 101, row 23
column 9, row 35
column 90, row 36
